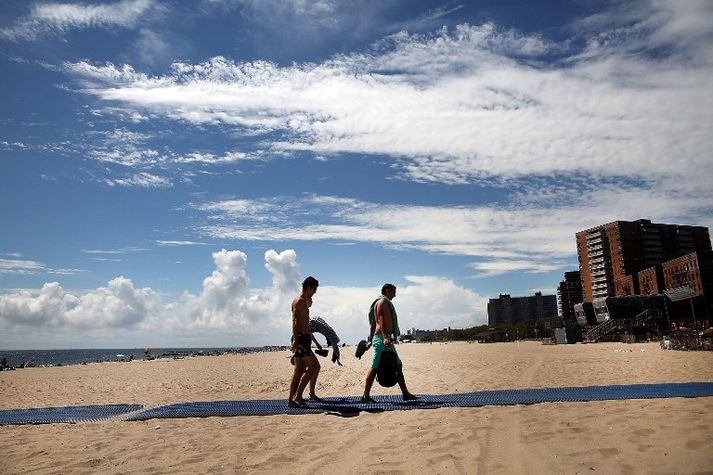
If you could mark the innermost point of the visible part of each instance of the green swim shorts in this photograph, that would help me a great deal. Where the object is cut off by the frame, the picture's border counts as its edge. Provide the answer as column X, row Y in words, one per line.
column 377, row 344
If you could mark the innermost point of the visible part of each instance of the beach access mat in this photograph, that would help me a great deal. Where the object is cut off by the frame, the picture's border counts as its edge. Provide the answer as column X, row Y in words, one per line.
column 352, row 405
column 68, row 414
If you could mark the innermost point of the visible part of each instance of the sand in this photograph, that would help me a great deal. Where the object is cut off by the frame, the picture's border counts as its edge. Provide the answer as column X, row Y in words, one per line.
column 632, row 436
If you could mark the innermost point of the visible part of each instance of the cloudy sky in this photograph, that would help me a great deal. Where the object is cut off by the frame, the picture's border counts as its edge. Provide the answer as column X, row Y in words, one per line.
column 170, row 172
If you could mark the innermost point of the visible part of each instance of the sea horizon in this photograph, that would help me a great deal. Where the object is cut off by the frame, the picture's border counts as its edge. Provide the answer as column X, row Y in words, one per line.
column 77, row 356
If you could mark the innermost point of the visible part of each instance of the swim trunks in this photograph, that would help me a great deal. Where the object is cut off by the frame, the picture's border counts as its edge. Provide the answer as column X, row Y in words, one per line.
column 305, row 346
column 377, row 344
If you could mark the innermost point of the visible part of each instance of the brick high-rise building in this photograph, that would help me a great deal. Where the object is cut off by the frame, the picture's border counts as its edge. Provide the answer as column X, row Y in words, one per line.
column 610, row 252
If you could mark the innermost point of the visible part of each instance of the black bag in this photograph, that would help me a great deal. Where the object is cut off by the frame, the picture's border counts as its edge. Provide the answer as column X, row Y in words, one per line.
column 387, row 372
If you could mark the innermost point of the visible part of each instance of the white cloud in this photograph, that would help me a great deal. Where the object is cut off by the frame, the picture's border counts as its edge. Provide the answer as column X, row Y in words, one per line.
column 131, row 149
column 228, row 311
column 45, row 308
column 284, row 269
column 122, row 250
column 129, row 158
column 212, row 159
column 19, row 266
column 179, row 243
column 142, row 180
column 520, row 236
column 224, row 301
column 60, row 18
column 22, row 266
column 152, row 48
column 466, row 105
column 499, row 267
column 119, row 304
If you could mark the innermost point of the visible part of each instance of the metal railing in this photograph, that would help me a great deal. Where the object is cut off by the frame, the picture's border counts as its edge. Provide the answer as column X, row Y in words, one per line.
column 600, row 330
column 610, row 325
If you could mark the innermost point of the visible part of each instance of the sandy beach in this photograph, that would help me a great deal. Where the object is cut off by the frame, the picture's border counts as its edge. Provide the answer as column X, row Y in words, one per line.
column 630, row 436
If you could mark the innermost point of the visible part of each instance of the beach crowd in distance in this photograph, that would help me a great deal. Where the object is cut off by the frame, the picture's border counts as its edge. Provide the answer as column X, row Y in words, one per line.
column 17, row 359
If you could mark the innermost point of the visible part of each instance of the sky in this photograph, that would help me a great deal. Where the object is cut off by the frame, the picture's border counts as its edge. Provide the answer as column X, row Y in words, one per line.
column 170, row 172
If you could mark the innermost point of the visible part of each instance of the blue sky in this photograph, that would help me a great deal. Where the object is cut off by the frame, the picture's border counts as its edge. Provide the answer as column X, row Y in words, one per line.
column 171, row 171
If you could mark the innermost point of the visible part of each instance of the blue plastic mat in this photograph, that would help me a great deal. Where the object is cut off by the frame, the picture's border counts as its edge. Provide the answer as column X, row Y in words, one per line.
column 351, row 405
column 68, row 414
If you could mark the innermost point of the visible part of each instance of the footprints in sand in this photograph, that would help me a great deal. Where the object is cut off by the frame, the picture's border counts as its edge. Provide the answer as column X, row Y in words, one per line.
column 695, row 444
column 609, row 451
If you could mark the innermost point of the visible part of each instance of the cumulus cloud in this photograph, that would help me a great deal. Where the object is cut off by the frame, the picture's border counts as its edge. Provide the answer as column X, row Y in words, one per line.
column 60, row 18
column 119, row 304
column 228, row 311
column 47, row 307
column 229, row 280
column 284, row 269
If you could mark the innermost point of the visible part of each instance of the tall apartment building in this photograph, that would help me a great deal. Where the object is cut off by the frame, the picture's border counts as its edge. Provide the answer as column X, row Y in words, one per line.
column 513, row 310
column 570, row 293
column 610, row 252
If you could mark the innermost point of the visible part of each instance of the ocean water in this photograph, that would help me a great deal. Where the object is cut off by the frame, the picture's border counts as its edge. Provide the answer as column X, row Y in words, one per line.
column 15, row 358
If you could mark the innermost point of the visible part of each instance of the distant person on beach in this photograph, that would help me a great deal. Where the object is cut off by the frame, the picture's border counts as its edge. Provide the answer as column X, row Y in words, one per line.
column 305, row 361
column 383, row 332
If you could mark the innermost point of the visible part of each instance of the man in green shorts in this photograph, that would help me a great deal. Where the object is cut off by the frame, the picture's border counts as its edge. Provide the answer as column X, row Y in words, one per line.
column 383, row 332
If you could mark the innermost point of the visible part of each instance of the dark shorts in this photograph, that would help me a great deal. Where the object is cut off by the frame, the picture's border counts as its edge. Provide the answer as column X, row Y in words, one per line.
column 305, row 346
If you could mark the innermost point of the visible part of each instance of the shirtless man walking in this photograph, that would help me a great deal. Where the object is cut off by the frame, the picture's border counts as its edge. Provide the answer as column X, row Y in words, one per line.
column 382, row 333
column 304, row 359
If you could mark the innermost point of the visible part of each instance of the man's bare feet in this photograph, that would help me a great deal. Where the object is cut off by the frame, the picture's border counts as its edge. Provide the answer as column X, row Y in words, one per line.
column 298, row 403
column 410, row 397
column 315, row 398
